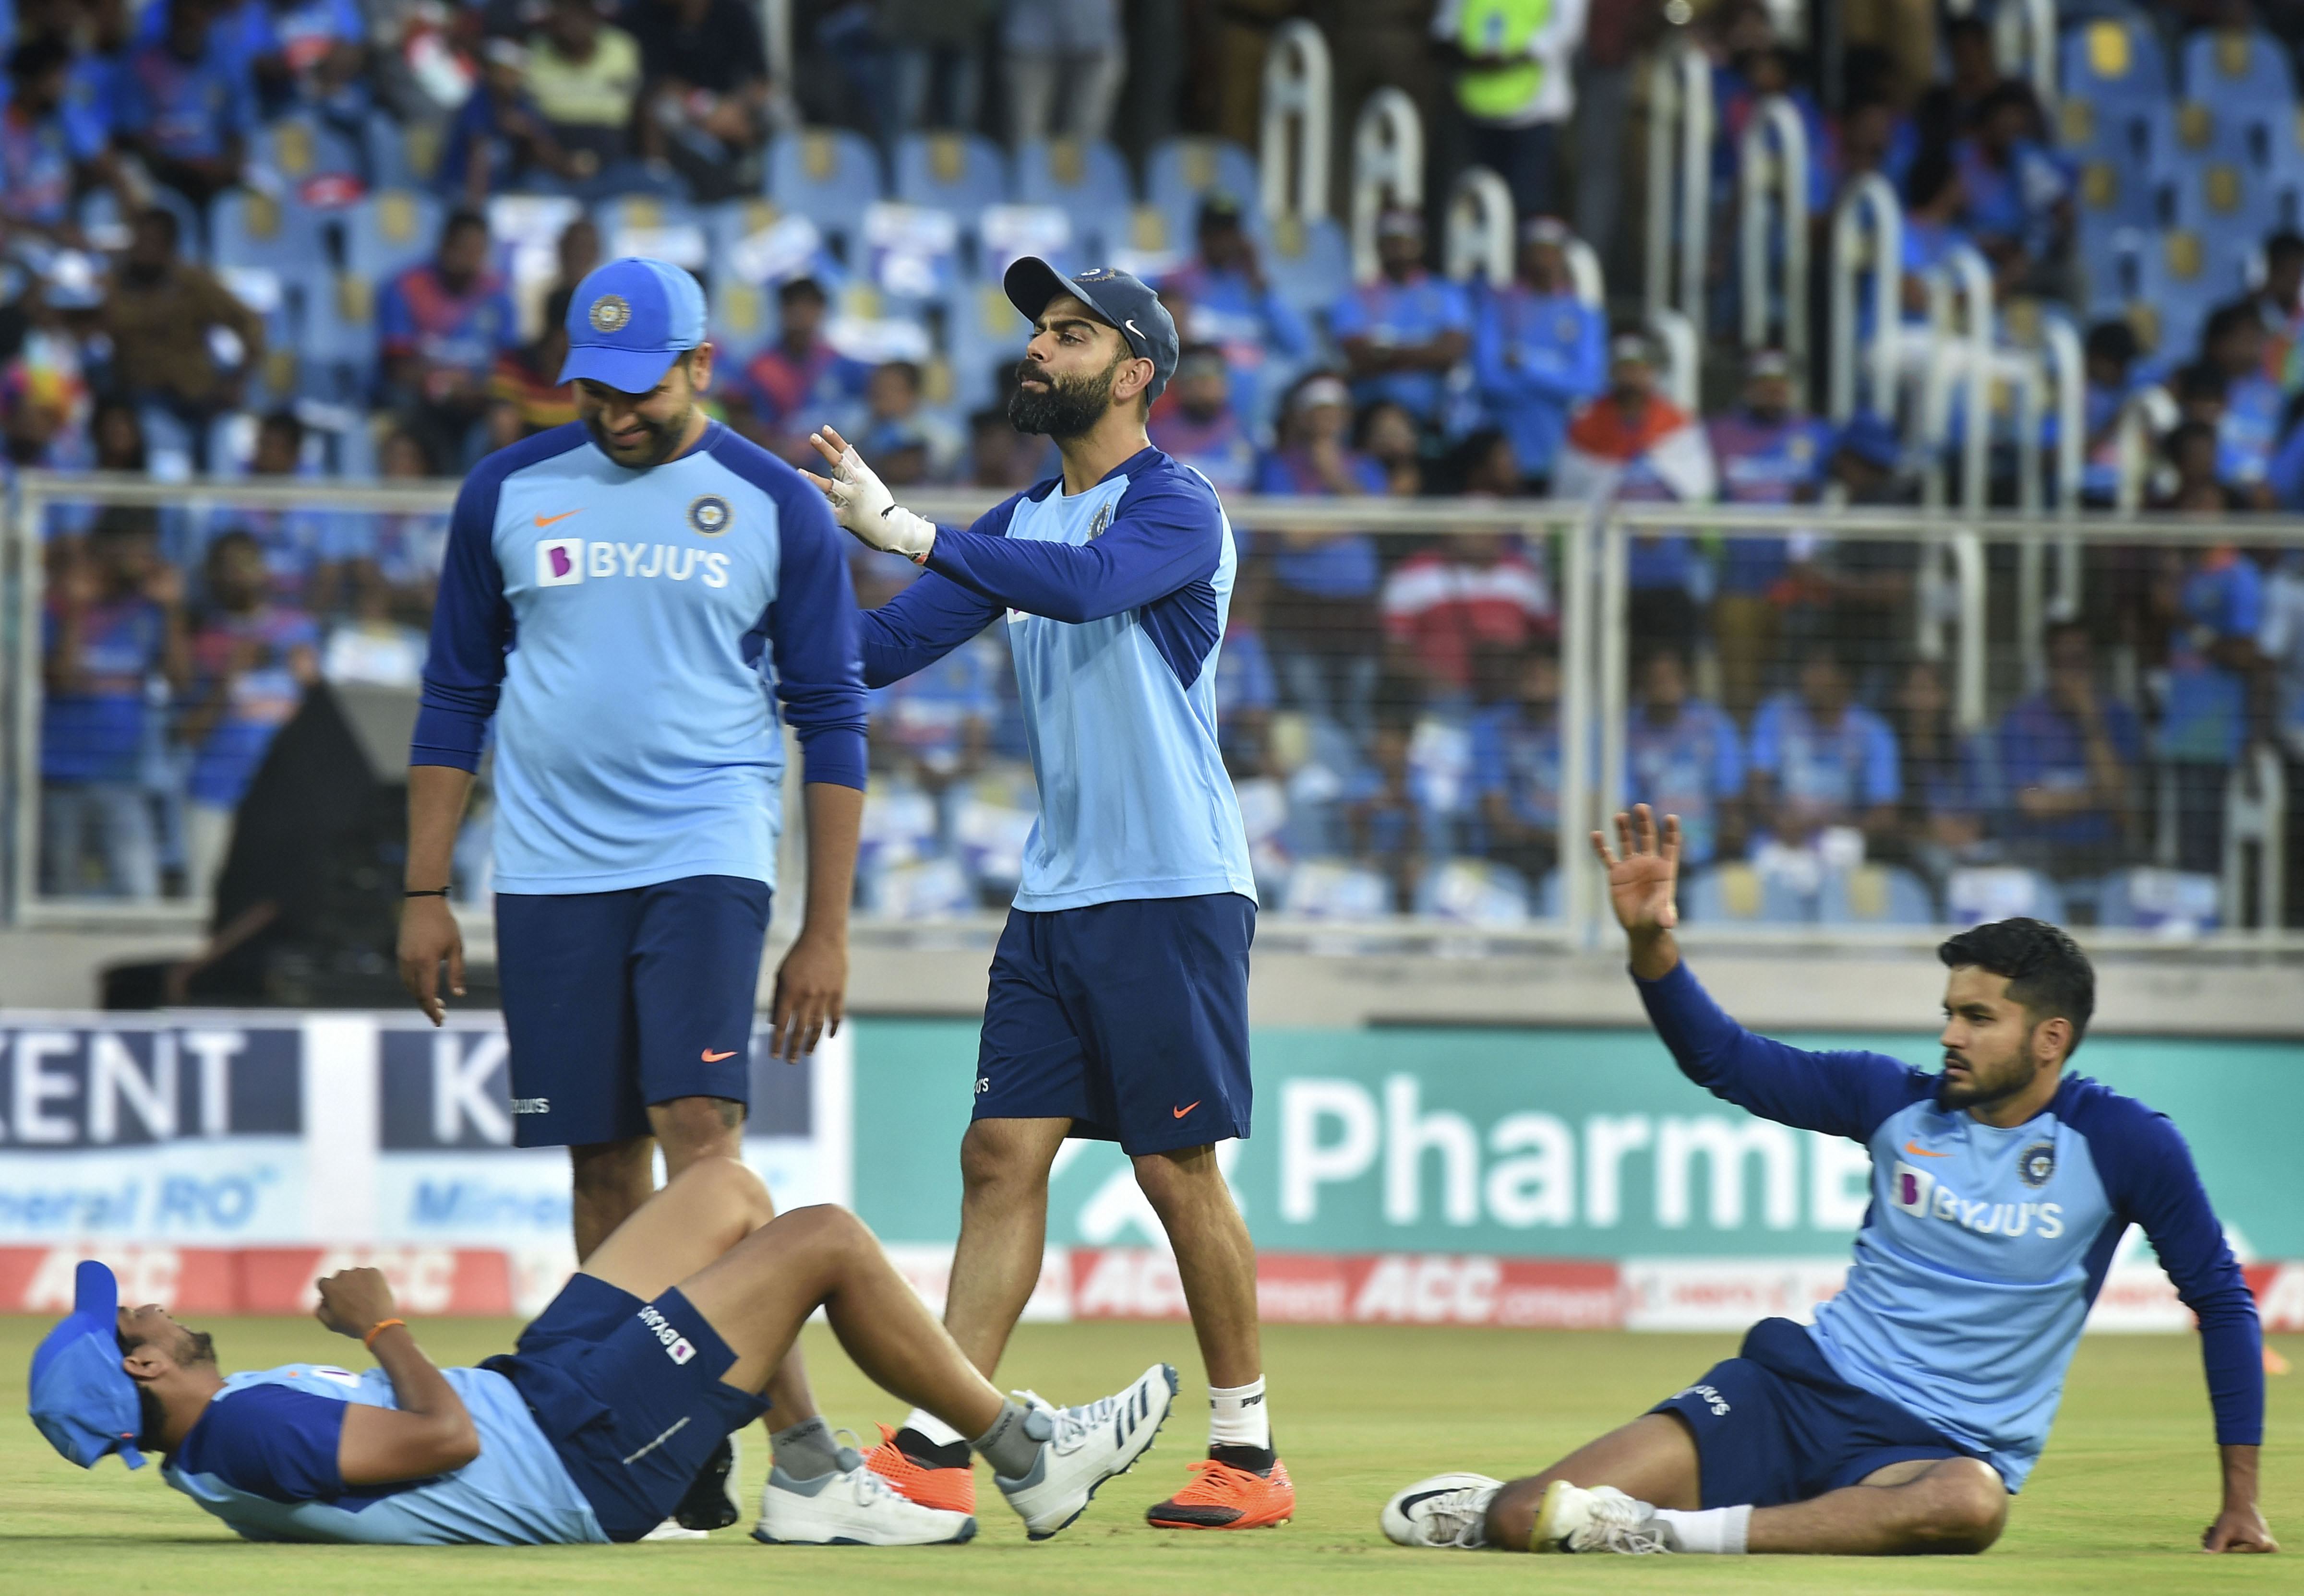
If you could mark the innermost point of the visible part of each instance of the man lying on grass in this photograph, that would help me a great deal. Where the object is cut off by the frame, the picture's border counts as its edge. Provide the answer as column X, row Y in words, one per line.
column 596, row 1425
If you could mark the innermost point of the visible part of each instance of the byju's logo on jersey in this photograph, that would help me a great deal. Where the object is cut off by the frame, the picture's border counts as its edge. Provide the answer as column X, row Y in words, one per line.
column 559, row 562
column 1909, row 1188
column 1917, row 1193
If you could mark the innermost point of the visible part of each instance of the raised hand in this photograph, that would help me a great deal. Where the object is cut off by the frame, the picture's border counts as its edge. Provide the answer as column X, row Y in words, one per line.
column 1642, row 881
column 861, row 502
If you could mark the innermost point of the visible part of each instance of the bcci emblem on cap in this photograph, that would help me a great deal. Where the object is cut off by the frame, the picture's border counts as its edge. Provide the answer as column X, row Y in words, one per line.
column 610, row 313
column 710, row 515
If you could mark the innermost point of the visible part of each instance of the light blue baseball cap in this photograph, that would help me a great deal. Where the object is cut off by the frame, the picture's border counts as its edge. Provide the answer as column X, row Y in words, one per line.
column 629, row 320
column 81, row 1399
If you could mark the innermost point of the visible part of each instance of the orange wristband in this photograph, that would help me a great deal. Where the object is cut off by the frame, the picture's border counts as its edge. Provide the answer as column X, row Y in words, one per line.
column 382, row 1325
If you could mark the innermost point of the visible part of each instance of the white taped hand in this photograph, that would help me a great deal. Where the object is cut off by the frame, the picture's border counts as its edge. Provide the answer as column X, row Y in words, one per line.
column 861, row 502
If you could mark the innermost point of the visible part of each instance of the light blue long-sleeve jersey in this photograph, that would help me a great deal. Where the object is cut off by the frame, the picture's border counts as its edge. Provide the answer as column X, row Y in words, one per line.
column 1115, row 600
column 263, row 1459
column 626, row 629
column 1984, row 1246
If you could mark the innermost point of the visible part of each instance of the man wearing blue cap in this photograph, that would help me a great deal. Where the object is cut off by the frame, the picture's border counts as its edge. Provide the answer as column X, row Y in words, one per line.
column 1118, row 1006
column 598, row 1420
column 627, row 596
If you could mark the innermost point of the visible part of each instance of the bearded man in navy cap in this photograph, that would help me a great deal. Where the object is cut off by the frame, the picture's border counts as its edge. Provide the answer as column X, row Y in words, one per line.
column 629, row 598
column 1118, row 1006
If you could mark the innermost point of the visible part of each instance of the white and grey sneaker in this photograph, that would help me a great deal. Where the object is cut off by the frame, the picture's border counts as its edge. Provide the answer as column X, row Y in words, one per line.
column 672, row 1529
column 853, row 1507
column 1601, row 1519
column 1447, row 1512
column 1081, row 1447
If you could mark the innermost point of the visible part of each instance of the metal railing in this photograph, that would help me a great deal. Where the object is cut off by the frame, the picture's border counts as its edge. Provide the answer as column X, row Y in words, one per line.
column 1590, row 563
column 1294, row 139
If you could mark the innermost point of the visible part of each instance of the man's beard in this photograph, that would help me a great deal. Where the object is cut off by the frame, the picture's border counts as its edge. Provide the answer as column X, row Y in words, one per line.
column 1978, row 1090
column 1064, row 409
column 663, row 439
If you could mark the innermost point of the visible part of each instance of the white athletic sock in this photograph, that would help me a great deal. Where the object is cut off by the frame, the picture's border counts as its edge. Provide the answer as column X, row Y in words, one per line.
column 1237, row 1415
column 933, row 1427
column 1715, row 1529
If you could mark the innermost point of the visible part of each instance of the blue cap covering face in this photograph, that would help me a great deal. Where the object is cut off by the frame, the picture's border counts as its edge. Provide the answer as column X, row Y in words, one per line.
column 1118, row 298
column 629, row 320
column 81, row 1399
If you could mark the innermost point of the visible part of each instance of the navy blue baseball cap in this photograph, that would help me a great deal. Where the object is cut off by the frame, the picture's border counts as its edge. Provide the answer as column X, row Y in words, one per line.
column 81, row 1399
column 1119, row 299
column 629, row 320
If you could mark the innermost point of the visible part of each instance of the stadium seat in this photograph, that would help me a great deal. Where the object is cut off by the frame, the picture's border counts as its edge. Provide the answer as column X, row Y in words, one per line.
column 1090, row 181
column 248, row 229
column 982, row 333
column 400, row 155
column 909, row 252
column 1310, row 263
column 742, row 320
column 318, row 161
column 1007, row 232
column 754, row 242
column 2175, row 289
column 338, row 334
column 2225, row 205
column 1999, row 892
column 1336, row 889
column 2133, row 132
column 933, row 889
column 266, row 290
column 644, row 224
column 1731, row 893
column 1875, row 895
column 962, row 172
column 2148, row 898
column 826, row 175
column 2112, row 60
column 2248, row 136
column 1468, row 892
column 1182, row 172
column 2238, row 66
column 385, row 233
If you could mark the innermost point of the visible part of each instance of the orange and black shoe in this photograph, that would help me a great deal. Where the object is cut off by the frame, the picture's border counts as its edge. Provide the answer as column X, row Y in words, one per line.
column 1223, row 1496
column 921, row 1475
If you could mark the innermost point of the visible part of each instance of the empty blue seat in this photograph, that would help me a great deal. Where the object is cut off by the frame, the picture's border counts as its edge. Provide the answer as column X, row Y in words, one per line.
column 2169, row 901
column 2224, row 204
column 982, row 333
column 337, row 337
column 1310, row 263
column 962, row 173
column 266, row 290
column 1733, row 893
column 2233, row 66
column 1089, row 180
column 400, row 155
column 2112, row 59
column 2000, row 893
column 2131, row 131
column 645, row 225
column 2176, row 288
column 251, row 230
column 2252, row 136
column 826, row 175
column 741, row 319
column 1184, row 172
column 303, row 150
column 1875, row 895
column 385, row 233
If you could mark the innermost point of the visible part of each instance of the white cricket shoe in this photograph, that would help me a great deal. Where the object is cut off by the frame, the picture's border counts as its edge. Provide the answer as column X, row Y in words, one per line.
column 1081, row 1447
column 672, row 1529
column 852, row 1507
column 1447, row 1512
column 1601, row 1519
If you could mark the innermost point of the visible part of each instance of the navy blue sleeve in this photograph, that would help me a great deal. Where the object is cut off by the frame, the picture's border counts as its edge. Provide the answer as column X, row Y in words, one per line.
column 812, row 628
column 1166, row 534
column 932, row 616
column 471, row 622
column 270, row 1441
column 1840, row 1093
column 2148, row 1172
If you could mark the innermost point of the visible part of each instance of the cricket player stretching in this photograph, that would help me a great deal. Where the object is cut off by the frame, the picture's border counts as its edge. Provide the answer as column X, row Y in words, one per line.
column 1920, row 1400
column 1118, row 1004
column 627, row 596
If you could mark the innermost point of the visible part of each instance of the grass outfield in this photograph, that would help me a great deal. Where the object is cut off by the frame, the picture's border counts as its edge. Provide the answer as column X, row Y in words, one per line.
column 2117, row 1505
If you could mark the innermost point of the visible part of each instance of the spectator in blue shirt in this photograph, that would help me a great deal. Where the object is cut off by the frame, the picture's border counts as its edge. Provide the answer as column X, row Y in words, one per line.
column 2233, row 345
column 1196, row 422
column 1539, row 350
column 1228, row 301
column 1683, row 755
column 2112, row 351
column 1516, row 769
column 113, row 631
column 1947, row 777
column 440, row 327
column 1766, row 453
column 1819, row 758
column 303, row 550
column 2214, row 599
column 1246, row 690
column 184, row 105
column 99, row 74
column 498, row 137
column 2071, row 760
column 1403, row 333
column 935, row 725
column 2020, row 194
column 1391, row 828
column 44, row 160
column 1325, row 636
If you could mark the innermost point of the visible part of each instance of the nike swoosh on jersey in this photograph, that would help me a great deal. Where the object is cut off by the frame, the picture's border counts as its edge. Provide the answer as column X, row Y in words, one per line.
column 546, row 520
column 712, row 1057
column 1187, row 1109
column 1922, row 1153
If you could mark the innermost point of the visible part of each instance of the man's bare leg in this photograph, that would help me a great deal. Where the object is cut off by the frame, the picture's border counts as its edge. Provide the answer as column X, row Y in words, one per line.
column 1004, row 1229
column 1922, row 1505
column 1215, row 1258
column 609, row 1181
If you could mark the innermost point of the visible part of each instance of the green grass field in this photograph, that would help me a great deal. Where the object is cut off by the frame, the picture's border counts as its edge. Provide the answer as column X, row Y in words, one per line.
column 2117, row 1505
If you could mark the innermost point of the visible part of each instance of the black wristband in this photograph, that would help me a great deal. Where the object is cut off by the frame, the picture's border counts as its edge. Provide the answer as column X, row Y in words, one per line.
column 426, row 893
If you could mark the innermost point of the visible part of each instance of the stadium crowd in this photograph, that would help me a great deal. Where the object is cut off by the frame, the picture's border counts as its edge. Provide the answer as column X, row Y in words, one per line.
column 306, row 239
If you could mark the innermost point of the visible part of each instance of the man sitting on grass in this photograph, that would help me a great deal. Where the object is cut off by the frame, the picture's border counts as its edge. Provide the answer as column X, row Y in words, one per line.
column 1906, row 1416
column 597, row 1423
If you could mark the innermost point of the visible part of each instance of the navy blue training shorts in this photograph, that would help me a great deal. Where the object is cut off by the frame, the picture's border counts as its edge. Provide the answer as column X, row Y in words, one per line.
column 629, row 1393
column 1128, row 1018
column 1774, row 1424
column 614, row 1001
